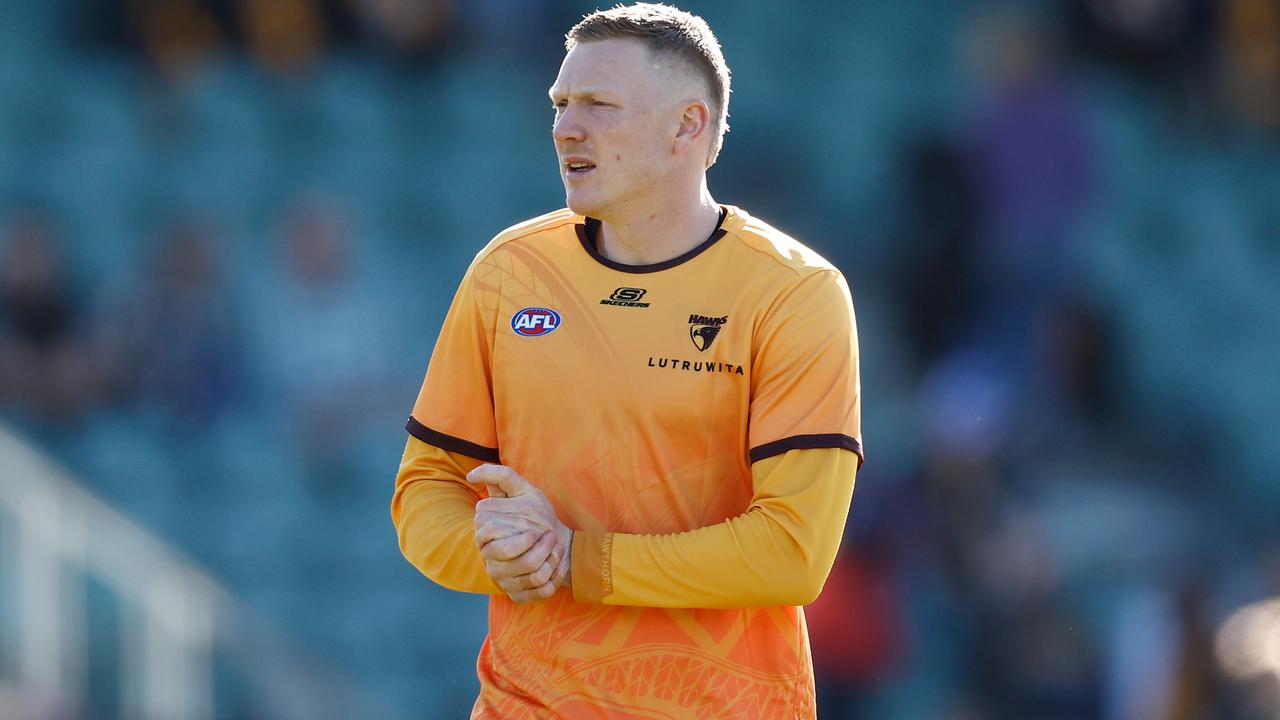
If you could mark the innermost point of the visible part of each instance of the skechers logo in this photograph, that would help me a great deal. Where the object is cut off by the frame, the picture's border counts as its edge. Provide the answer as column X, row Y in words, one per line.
column 703, row 330
column 535, row 321
column 626, row 297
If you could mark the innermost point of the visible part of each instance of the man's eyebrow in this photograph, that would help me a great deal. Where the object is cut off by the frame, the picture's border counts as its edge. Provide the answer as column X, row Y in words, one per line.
column 583, row 93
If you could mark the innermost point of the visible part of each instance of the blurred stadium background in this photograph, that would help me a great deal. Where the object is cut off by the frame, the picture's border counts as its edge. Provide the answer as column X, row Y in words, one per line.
column 229, row 230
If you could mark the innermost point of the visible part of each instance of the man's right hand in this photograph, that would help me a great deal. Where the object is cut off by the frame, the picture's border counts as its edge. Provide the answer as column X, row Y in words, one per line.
column 524, row 544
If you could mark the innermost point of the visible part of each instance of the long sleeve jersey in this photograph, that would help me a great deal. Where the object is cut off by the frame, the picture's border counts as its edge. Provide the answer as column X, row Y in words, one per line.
column 695, row 422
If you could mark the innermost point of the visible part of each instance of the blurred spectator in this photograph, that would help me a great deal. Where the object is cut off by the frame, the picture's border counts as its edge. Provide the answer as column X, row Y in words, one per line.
column 177, row 36
column 1196, row 684
column 1038, row 658
column 1079, row 355
column 1250, row 71
column 937, row 264
column 47, row 366
column 1167, row 44
column 1247, row 646
column 1019, row 649
column 1040, row 662
column 322, row 336
column 525, row 31
column 409, row 30
column 1160, row 39
column 1031, row 159
column 284, row 36
column 856, row 629
column 1143, row 656
column 1163, row 657
column 175, row 339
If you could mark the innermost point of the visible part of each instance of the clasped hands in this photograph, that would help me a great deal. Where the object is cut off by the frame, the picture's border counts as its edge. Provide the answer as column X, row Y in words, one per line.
column 526, row 548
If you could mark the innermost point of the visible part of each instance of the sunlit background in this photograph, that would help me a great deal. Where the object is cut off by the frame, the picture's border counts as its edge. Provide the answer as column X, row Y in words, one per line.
column 229, row 230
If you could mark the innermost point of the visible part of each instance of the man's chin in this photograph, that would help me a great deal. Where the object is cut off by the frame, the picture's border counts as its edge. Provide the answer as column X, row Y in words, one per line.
column 582, row 206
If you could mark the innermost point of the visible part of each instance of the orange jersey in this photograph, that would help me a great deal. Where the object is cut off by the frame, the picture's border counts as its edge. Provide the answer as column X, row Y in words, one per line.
column 696, row 422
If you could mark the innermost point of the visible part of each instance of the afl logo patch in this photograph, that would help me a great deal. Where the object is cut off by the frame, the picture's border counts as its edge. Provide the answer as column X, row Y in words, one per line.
column 535, row 321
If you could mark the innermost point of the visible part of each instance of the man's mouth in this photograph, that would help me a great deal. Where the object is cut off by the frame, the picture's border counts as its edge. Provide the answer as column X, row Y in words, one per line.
column 578, row 167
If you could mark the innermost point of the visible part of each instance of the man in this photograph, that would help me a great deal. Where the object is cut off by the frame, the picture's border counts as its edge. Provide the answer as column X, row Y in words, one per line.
column 639, row 429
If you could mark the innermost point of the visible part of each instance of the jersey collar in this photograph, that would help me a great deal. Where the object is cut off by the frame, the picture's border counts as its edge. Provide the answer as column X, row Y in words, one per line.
column 589, row 234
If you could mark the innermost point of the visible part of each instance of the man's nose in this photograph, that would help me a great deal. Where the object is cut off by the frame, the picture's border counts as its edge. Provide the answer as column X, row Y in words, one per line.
column 566, row 127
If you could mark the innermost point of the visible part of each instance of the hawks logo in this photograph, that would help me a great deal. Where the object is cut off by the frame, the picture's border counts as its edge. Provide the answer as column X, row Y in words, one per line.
column 535, row 321
column 703, row 330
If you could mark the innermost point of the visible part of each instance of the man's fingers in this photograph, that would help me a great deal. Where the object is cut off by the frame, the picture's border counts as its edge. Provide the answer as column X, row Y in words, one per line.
column 511, row 511
column 562, row 569
column 535, row 557
column 508, row 547
column 539, row 584
column 539, row 577
column 490, row 531
column 501, row 480
column 529, row 561
column 534, row 595
column 539, row 593
column 523, row 584
column 533, row 580
column 491, row 527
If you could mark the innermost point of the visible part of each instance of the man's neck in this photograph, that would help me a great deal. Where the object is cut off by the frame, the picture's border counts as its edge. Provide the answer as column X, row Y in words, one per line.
column 654, row 237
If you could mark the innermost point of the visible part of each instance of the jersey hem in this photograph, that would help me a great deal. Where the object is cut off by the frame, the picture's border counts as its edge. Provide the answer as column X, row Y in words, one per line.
column 807, row 442
column 450, row 443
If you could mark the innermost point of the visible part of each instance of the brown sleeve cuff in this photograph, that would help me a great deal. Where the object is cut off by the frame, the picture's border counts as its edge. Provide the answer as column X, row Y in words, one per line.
column 592, row 566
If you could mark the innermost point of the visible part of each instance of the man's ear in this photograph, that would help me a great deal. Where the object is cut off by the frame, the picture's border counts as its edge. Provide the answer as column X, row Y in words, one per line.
column 695, row 120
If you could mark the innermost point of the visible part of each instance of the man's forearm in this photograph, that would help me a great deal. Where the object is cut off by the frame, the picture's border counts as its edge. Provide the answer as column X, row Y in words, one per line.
column 434, row 514
column 779, row 552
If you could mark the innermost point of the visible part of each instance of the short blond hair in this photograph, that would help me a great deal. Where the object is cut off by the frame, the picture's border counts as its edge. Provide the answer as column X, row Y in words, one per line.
column 667, row 30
